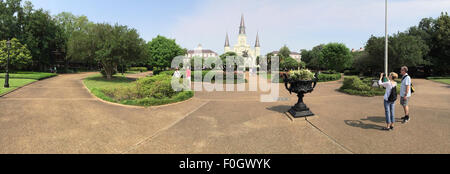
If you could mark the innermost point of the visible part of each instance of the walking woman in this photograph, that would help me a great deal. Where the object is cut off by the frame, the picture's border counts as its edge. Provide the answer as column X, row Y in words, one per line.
column 389, row 99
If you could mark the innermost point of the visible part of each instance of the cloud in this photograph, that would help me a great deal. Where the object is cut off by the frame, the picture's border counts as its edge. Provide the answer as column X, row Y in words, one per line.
column 299, row 24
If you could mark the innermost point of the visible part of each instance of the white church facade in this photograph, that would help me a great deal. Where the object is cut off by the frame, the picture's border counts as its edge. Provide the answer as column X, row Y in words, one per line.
column 242, row 48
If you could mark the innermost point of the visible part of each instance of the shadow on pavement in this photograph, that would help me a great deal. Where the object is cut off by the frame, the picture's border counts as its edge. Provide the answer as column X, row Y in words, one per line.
column 362, row 125
column 378, row 119
column 375, row 119
column 281, row 108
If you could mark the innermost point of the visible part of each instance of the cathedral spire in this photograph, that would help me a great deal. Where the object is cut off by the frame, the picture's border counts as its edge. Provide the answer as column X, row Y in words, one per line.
column 227, row 41
column 242, row 26
column 257, row 41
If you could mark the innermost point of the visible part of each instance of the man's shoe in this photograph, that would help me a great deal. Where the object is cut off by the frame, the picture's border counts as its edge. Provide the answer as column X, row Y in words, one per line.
column 392, row 127
column 406, row 120
column 386, row 129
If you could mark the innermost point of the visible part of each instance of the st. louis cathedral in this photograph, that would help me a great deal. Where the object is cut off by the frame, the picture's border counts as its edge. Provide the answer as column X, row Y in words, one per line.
column 242, row 48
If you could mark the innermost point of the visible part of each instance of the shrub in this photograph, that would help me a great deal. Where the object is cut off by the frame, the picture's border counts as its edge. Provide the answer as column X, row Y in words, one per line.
column 159, row 86
column 329, row 77
column 140, row 69
column 181, row 96
column 355, row 86
column 121, row 93
column 168, row 73
column 289, row 64
column 355, row 83
column 329, row 72
column 352, row 73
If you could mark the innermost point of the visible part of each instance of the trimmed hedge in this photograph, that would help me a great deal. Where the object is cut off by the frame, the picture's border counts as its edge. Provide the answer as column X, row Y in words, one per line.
column 329, row 77
column 140, row 69
column 322, row 77
column 352, row 73
column 201, row 77
column 353, row 85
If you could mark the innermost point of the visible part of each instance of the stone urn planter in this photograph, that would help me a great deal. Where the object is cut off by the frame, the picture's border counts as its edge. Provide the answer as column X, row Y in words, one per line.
column 300, row 87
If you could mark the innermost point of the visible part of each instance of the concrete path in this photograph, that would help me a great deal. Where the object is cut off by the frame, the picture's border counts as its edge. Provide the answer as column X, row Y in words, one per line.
column 59, row 115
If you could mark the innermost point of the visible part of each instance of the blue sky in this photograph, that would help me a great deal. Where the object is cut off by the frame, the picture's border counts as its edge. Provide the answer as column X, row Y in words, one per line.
column 300, row 24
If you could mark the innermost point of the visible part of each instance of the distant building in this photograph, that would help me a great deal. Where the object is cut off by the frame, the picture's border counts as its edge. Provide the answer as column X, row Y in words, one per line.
column 360, row 50
column 295, row 55
column 242, row 48
column 200, row 52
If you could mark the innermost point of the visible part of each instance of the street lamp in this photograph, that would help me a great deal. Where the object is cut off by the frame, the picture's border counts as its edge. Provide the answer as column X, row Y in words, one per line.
column 8, row 45
column 386, row 36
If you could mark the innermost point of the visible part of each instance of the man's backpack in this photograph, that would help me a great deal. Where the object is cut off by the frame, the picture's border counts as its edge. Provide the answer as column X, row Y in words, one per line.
column 393, row 96
column 412, row 86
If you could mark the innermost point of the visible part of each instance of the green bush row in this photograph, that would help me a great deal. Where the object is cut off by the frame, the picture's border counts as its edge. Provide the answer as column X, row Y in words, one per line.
column 202, row 74
column 329, row 77
column 436, row 78
column 140, row 69
column 322, row 77
column 353, row 85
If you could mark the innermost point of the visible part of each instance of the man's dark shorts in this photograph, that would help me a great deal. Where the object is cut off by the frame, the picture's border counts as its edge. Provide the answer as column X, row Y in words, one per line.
column 404, row 102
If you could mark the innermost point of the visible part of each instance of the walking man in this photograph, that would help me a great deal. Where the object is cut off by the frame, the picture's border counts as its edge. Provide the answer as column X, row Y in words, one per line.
column 405, row 93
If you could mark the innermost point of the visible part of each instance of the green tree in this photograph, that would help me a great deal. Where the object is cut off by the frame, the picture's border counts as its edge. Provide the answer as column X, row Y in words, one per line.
column 289, row 63
column 19, row 55
column 75, row 29
column 115, row 45
column 284, row 53
column 213, row 62
column 314, row 58
column 11, row 13
column 42, row 35
column 162, row 51
column 337, row 56
column 440, row 44
column 267, row 61
column 197, row 63
column 236, row 59
column 403, row 50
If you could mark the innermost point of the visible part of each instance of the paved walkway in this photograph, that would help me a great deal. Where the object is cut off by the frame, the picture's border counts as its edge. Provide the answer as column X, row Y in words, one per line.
column 59, row 115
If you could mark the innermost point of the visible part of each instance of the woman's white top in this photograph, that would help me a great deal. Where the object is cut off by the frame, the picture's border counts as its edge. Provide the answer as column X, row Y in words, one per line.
column 177, row 74
column 388, row 85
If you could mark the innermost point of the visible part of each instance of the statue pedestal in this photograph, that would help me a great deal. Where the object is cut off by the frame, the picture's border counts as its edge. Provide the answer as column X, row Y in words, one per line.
column 300, row 109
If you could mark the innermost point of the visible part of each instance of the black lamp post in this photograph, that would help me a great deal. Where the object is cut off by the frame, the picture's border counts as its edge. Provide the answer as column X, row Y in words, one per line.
column 8, row 45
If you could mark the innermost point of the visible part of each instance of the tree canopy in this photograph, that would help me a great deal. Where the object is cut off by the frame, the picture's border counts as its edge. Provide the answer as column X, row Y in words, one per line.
column 289, row 63
column 19, row 55
column 436, row 35
column 284, row 53
column 116, row 45
column 403, row 50
column 336, row 56
column 162, row 51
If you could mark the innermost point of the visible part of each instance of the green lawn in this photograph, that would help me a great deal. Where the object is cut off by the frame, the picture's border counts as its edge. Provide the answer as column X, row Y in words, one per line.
column 28, row 75
column 445, row 80
column 14, row 84
column 97, row 83
column 18, row 79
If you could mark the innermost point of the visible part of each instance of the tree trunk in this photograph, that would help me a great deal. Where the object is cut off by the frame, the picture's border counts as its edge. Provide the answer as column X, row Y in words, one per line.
column 109, row 69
